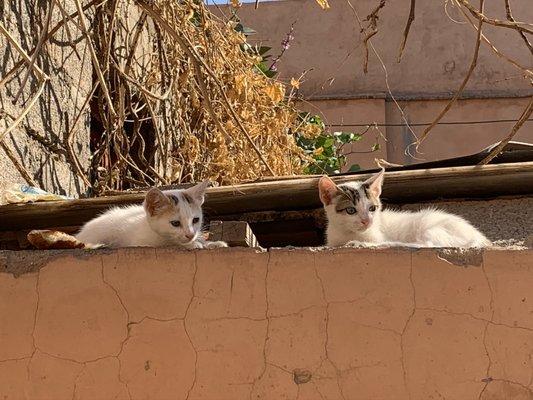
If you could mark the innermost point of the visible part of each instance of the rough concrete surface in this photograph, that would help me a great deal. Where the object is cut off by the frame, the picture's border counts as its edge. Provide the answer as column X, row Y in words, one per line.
column 284, row 324
column 505, row 221
column 53, row 116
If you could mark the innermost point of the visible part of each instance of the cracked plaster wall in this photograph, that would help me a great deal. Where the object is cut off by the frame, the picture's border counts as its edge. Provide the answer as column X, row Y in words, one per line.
column 243, row 324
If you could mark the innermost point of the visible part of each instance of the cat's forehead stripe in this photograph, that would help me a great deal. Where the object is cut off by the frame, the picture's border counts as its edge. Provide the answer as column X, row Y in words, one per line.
column 187, row 197
column 174, row 199
column 354, row 194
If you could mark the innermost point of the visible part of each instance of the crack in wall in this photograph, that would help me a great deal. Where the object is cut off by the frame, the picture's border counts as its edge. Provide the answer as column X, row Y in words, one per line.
column 465, row 314
column 339, row 373
column 36, row 348
column 186, row 329
column 76, row 382
column 34, row 340
column 487, row 378
column 407, row 322
column 114, row 289
column 128, row 325
column 326, row 341
column 508, row 381
column 267, row 318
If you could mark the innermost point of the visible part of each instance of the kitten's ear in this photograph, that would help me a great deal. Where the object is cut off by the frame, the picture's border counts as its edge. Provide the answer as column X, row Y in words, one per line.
column 327, row 190
column 198, row 192
column 375, row 183
column 155, row 202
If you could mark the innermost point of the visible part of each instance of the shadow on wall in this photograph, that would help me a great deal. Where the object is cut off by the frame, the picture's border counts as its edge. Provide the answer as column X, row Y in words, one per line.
column 38, row 141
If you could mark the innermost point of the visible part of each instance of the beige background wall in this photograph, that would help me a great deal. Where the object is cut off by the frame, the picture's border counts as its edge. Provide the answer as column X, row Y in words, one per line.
column 240, row 324
column 436, row 58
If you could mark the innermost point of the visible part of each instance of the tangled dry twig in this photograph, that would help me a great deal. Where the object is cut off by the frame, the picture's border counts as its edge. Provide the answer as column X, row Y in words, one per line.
column 458, row 92
column 177, row 98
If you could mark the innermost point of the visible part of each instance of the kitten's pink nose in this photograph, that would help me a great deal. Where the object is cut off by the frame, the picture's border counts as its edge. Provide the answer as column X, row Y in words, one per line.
column 365, row 222
column 189, row 236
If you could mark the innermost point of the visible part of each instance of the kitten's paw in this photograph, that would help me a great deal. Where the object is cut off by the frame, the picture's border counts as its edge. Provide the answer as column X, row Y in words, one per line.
column 196, row 245
column 356, row 243
column 91, row 246
column 215, row 245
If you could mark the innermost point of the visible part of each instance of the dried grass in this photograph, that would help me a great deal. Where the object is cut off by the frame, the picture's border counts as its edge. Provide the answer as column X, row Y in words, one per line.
column 175, row 99
column 199, row 107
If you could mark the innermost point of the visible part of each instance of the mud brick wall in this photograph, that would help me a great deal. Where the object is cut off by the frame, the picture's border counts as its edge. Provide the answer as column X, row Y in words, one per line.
column 284, row 324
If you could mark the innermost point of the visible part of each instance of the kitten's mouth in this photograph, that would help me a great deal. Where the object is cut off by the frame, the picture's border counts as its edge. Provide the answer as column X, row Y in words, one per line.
column 188, row 241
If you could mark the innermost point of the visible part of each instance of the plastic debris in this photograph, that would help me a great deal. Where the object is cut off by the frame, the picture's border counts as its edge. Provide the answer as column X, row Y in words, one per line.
column 19, row 193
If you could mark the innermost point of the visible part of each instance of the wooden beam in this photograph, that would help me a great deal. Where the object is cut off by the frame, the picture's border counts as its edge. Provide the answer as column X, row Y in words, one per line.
column 234, row 233
column 294, row 194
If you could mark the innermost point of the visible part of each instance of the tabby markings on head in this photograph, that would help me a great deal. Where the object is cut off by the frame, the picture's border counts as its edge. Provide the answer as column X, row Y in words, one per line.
column 174, row 199
column 349, row 198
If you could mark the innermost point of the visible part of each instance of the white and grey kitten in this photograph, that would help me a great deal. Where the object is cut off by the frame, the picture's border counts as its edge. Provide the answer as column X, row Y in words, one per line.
column 355, row 216
column 172, row 218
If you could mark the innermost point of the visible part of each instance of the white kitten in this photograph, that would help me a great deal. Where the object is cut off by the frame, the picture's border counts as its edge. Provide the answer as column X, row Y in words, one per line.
column 173, row 218
column 355, row 217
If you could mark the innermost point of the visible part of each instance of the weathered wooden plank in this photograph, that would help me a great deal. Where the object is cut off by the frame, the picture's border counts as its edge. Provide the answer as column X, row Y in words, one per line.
column 234, row 233
column 294, row 194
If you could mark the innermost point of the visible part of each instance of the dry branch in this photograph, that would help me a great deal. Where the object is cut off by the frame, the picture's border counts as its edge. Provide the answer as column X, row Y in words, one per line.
column 408, row 24
column 450, row 103
column 96, row 63
column 526, row 71
column 20, row 168
column 523, row 118
column 36, row 52
column 370, row 30
column 478, row 14
column 510, row 17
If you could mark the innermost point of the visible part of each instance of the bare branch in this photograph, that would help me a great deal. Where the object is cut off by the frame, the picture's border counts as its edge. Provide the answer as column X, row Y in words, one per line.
column 410, row 20
column 370, row 30
column 511, row 18
column 463, row 84
column 519, row 26
column 523, row 118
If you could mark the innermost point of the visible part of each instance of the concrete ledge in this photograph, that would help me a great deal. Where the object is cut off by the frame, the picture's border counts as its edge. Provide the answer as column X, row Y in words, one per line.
column 244, row 323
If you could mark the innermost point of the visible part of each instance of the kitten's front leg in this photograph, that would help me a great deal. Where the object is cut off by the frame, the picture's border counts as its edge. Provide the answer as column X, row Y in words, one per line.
column 215, row 245
column 357, row 243
column 194, row 245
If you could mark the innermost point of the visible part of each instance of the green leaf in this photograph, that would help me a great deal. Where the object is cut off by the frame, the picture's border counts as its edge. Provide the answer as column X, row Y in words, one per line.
column 376, row 147
column 329, row 142
column 270, row 74
column 246, row 47
column 347, row 137
column 263, row 49
column 354, row 168
column 264, row 69
column 248, row 31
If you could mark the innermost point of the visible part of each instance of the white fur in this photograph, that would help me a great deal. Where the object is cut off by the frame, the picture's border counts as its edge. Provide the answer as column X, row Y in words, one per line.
column 135, row 226
column 424, row 228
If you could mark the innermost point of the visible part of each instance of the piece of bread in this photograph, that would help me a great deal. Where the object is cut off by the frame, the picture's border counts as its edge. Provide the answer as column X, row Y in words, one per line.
column 46, row 240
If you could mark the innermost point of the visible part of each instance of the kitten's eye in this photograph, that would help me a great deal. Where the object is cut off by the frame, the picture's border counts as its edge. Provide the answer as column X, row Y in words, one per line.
column 175, row 223
column 372, row 208
column 351, row 210
column 195, row 220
